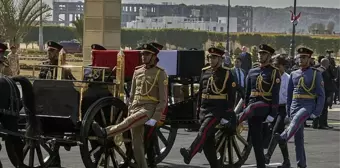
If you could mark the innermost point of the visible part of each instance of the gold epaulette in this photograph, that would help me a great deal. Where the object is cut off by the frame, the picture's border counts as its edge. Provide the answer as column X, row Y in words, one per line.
column 205, row 68
column 226, row 68
column 160, row 68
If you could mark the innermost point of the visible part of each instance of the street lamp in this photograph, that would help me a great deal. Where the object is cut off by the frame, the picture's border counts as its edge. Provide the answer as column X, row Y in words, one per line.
column 41, row 38
column 292, row 44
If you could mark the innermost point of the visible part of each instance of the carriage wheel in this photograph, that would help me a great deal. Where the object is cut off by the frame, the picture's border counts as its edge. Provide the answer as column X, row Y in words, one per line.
column 36, row 154
column 230, row 143
column 166, row 135
column 96, row 151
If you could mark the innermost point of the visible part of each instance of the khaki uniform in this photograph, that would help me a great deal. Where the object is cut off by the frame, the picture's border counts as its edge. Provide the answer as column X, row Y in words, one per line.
column 13, row 60
column 4, row 68
column 148, row 101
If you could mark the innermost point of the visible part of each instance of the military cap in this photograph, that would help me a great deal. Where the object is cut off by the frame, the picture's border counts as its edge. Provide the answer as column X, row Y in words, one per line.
column 266, row 48
column 97, row 47
column 215, row 51
column 158, row 46
column 304, row 51
column 3, row 47
column 149, row 48
column 54, row 45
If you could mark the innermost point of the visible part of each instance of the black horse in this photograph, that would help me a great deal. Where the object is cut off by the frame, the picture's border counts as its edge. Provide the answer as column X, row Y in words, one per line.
column 10, row 106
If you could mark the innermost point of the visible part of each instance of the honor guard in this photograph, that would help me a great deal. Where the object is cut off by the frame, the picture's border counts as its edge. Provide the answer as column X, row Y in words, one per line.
column 4, row 64
column 279, row 123
column 148, row 99
column 53, row 58
column 151, row 139
column 90, row 74
column 261, row 99
column 305, row 98
column 216, row 101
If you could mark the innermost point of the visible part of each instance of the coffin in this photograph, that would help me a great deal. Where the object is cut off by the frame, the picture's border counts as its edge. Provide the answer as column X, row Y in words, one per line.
column 182, row 63
column 108, row 58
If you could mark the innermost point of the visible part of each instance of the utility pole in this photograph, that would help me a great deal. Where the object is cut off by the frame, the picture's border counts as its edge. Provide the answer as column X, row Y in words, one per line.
column 228, row 34
column 41, row 36
column 292, row 44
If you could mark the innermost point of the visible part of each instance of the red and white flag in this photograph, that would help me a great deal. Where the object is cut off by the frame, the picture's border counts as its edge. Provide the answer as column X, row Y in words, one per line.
column 294, row 18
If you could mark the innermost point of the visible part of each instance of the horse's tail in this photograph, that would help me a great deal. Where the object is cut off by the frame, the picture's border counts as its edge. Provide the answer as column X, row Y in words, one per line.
column 28, row 104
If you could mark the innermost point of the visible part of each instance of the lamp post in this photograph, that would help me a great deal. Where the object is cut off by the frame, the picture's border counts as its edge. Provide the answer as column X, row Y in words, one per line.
column 228, row 34
column 41, row 38
column 292, row 44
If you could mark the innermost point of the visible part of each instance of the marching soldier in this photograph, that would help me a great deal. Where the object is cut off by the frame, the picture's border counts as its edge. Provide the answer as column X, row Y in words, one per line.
column 151, row 139
column 216, row 102
column 305, row 98
column 280, row 62
column 147, row 102
column 261, row 99
column 53, row 58
column 4, row 64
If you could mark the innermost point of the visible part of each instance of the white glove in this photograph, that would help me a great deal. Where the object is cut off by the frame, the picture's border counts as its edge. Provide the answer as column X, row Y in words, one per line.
column 224, row 121
column 313, row 116
column 269, row 119
column 151, row 122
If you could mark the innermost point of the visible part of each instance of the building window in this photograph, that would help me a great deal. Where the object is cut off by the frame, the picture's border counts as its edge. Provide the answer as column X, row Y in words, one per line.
column 222, row 29
column 169, row 22
column 135, row 9
column 214, row 28
column 130, row 8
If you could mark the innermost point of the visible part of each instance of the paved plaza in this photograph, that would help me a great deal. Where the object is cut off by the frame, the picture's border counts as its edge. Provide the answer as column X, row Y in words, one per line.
column 322, row 149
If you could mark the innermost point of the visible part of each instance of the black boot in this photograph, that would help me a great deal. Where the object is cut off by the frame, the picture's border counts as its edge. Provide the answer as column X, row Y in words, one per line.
column 285, row 154
column 98, row 130
column 270, row 151
column 279, row 139
column 186, row 155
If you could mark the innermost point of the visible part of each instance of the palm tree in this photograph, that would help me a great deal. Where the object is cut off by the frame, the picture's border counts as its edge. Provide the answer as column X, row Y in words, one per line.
column 17, row 17
column 79, row 24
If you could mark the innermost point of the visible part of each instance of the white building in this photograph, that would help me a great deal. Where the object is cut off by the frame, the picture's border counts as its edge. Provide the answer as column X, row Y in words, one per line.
column 142, row 22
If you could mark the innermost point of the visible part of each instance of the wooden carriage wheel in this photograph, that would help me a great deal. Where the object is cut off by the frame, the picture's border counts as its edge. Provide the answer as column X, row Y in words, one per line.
column 166, row 135
column 233, row 146
column 95, row 151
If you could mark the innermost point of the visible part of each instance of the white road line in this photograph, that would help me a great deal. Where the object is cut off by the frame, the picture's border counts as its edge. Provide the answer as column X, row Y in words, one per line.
column 254, row 165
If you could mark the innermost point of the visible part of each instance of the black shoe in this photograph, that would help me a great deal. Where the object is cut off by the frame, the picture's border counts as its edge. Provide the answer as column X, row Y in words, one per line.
column 323, row 127
column 186, row 155
column 329, row 127
column 98, row 130
column 285, row 164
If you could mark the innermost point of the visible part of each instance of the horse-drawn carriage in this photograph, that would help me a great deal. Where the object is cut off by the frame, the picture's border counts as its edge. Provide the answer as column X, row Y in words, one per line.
column 63, row 111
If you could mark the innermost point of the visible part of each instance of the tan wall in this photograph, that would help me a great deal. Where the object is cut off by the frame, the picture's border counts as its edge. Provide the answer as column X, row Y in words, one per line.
column 102, row 25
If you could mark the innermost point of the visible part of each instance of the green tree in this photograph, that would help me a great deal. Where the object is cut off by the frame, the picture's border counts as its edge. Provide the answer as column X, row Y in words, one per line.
column 18, row 17
column 79, row 30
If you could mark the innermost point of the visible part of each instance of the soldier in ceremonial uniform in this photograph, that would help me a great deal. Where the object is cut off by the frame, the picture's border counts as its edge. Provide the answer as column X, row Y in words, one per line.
column 151, row 139
column 148, row 99
column 4, row 64
column 89, row 74
column 305, row 98
column 216, row 102
column 261, row 99
column 53, row 56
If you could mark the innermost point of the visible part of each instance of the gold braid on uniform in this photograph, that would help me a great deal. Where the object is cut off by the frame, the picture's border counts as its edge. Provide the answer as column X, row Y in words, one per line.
column 302, row 84
column 259, row 81
column 214, row 88
column 147, row 91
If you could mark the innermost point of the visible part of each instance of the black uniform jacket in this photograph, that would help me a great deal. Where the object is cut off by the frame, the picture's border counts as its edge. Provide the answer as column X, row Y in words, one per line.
column 211, row 87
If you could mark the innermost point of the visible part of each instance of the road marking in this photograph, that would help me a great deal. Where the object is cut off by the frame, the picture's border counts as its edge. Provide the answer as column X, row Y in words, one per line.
column 254, row 165
column 334, row 123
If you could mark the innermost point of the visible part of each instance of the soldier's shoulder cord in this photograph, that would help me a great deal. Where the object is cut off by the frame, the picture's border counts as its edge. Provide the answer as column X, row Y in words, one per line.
column 274, row 67
column 138, row 67
column 205, row 68
column 162, row 69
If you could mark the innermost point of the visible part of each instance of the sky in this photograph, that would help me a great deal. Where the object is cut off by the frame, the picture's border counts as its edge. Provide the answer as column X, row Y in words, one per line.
column 266, row 3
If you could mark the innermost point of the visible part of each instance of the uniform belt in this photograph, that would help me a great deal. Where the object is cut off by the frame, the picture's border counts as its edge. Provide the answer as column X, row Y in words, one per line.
column 214, row 97
column 146, row 98
column 303, row 96
column 260, row 94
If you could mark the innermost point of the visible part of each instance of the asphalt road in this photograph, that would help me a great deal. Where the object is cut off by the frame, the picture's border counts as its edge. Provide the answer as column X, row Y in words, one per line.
column 322, row 150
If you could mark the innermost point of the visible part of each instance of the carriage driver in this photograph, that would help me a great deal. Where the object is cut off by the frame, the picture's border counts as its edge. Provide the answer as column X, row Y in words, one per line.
column 216, row 98
column 4, row 64
column 53, row 58
column 147, row 102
